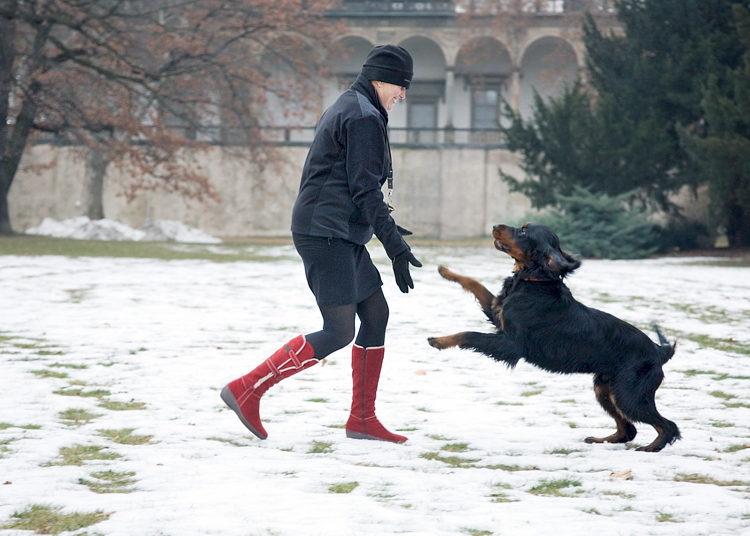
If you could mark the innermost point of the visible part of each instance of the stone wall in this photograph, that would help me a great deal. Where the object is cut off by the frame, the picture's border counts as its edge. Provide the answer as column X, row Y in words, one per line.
column 440, row 192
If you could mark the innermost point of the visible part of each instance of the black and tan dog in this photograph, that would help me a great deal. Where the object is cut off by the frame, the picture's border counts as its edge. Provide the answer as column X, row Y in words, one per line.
column 537, row 319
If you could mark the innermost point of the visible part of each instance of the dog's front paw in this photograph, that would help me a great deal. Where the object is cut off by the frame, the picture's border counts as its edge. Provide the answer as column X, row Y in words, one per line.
column 447, row 274
column 436, row 343
column 448, row 341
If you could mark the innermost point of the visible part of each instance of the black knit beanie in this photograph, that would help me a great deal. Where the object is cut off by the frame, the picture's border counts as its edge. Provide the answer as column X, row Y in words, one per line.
column 389, row 63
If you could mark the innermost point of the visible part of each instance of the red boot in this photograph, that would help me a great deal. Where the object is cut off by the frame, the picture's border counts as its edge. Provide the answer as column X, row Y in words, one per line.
column 243, row 394
column 363, row 424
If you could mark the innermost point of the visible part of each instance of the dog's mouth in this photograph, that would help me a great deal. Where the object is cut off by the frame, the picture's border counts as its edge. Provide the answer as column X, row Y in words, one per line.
column 503, row 238
column 505, row 248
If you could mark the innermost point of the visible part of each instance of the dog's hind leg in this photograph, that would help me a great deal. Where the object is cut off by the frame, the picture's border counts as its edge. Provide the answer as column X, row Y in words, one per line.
column 667, row 432
column 480, row 292
column 625, row 429
column 636, row 398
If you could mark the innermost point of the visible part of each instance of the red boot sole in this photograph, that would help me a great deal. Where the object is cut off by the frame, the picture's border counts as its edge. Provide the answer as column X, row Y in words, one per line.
column 229, row 400
column 359, row 435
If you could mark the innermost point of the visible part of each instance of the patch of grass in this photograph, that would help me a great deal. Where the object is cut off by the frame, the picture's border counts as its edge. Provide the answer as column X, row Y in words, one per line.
column 40, row 346
column 319, row 447
column 500, row 496
column 4, row 447
column 77, row 416
column 125, row 436
column 44, row 519
column 110, row 482
column 663, row 517
column 456, row 447
column 477, row 532
column 246, row 250
column 440, row 438
column 511, row 468
column 619, row 494
column 344, row 487
column 726, row 345
column 722, row 424
column 114, row 405
column 49, row 374
column 322, row 400
column 97, row 393
column 720, row 377
column 453, row 461
column 564, row 452
column 736, row 405
column 737, row 448
column 227, row 441
column 533, row 392
column 68, row 365
column 694, row 372
column 722, row 394
column 702, row 479
column 6, row 425
column 508, row 403
column 78, row 454
column 338, row 426
column 554, row 487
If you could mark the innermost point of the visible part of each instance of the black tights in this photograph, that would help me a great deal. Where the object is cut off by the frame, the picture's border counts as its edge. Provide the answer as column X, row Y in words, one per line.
column 338, row 325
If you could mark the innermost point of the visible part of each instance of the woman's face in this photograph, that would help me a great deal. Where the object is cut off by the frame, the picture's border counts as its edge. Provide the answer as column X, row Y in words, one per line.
column 389, row 93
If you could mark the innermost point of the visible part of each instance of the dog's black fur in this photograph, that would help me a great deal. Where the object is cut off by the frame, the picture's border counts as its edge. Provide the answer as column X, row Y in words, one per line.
column 537, row 319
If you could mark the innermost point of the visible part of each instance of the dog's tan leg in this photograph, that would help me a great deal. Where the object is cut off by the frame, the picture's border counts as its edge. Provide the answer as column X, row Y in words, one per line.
column 449, row 341
column 625, row 429
column 480, row 292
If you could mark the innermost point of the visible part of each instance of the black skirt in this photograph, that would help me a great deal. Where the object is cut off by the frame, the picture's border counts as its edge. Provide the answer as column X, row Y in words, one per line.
column 338, row 272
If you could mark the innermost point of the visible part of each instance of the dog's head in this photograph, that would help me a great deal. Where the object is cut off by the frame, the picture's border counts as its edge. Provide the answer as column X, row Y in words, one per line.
column 536, row 250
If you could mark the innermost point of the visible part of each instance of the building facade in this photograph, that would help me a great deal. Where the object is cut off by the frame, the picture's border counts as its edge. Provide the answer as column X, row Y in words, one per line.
column 470, row 56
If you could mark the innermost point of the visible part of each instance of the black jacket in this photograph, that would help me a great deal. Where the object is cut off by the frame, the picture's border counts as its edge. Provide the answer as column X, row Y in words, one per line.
column 340, row 192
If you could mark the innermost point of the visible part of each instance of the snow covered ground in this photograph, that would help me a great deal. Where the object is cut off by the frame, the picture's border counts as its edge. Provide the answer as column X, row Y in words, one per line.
column 125, row 358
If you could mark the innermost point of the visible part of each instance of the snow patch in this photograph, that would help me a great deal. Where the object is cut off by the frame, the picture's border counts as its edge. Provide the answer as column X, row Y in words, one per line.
column 83, row 228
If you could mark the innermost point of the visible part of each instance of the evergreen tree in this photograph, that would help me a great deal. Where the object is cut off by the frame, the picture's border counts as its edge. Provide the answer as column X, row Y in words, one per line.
column 622, row 132
column 725, row 153
column 601, row 226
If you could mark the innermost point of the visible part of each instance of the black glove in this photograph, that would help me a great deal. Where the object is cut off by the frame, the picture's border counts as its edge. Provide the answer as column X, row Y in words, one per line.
column 401, row 270
column 402, row 231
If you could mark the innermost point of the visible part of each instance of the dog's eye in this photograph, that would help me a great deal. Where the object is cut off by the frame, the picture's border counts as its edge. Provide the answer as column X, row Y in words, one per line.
column 522, row 231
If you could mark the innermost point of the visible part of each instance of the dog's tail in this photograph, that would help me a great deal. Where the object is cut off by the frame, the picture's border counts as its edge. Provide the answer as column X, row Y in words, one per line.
column 666, row 349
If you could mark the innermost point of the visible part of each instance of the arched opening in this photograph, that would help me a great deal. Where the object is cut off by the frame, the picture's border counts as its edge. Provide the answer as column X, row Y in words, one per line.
column 548, row 65
column 426, row 91
column 485, row 66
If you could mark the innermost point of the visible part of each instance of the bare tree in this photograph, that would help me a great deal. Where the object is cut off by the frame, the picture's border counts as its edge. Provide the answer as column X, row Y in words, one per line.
column 142, row 81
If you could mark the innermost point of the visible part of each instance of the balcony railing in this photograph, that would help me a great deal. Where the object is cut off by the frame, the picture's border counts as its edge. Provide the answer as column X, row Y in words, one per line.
column 303, row 136
column 414, row 137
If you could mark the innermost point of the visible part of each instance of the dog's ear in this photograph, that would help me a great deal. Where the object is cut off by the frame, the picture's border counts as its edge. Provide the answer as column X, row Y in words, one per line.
column 561, row 262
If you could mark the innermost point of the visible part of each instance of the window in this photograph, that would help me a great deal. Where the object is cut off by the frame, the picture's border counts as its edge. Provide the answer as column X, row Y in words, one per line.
column 484, row 113
column 422, row 121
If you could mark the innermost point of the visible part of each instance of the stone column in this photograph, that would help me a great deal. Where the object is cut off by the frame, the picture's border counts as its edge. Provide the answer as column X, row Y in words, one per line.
column 515, row 88
column 449, row 83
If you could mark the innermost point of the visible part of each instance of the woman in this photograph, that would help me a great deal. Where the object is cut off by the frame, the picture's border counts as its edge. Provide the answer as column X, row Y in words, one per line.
column 339, row 207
